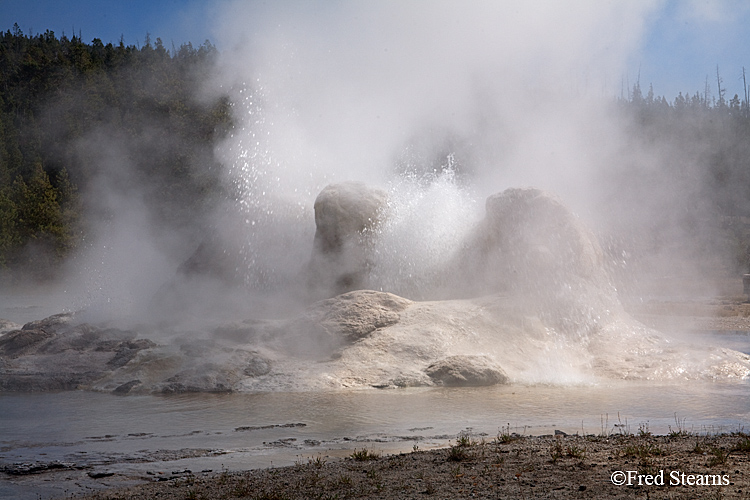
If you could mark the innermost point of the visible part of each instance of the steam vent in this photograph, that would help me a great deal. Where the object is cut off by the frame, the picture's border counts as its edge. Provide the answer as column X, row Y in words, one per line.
column 525, row 298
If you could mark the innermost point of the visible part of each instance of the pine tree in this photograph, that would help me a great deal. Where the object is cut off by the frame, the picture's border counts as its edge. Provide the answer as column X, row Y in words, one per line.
column 9, row 236
column 39, row 212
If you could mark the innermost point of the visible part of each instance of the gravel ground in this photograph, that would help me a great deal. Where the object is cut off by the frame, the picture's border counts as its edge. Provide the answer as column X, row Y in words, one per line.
column 509, row 466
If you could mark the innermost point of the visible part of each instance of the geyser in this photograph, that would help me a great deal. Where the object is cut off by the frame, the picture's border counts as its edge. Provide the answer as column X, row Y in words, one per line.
column 531, row 303
column 398, row 119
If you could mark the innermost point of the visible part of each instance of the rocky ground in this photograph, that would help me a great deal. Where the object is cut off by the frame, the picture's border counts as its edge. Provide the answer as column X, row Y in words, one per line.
column 376, row 339
column 678, row 466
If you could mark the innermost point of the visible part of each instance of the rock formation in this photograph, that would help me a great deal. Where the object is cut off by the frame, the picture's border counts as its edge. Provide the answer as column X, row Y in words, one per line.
column 528, row 242
column 346, row 215
column 466, row 371
column 60, row 353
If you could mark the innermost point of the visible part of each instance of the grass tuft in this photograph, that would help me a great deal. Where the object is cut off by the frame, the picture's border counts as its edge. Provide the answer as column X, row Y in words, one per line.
column 679, row 430
column 743, row 445
column 505, row 436
column 458, row 453
column 718, row 457
column 364, row 455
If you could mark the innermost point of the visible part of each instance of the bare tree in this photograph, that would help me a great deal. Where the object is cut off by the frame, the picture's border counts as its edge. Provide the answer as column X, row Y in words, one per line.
column 744, row 84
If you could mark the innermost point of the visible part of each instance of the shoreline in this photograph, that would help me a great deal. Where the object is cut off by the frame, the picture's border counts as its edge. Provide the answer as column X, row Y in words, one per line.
column 507, row 466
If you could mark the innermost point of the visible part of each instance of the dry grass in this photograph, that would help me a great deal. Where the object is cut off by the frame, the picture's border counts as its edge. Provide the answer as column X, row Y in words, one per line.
column 524, row 467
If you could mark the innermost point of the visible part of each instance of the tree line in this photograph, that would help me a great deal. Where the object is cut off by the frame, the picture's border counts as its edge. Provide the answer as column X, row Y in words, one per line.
column 702, row 143
column 66, row 105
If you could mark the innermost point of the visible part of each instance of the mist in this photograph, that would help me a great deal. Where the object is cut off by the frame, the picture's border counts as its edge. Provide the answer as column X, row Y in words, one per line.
column 397, row 93
column 349, row 87
column 439, row 105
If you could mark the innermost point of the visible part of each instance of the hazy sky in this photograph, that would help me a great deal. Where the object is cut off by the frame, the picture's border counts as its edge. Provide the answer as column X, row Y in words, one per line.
column 686, row 40
column 682, row 43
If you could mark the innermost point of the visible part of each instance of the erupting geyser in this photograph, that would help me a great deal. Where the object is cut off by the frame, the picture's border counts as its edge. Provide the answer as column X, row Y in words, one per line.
column 525, row 298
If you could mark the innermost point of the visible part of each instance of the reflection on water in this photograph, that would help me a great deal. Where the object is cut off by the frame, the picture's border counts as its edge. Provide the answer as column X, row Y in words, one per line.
column 59, row 419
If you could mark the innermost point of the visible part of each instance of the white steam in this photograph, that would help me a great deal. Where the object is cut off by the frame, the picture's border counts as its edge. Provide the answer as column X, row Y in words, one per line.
column 427, row 220
column 348, row 85
column 517, row 94
column 439, row 103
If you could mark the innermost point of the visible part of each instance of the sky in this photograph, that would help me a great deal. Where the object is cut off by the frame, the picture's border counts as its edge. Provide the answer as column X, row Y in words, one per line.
column 177, row 21
column 680, row 47
column 684, row 43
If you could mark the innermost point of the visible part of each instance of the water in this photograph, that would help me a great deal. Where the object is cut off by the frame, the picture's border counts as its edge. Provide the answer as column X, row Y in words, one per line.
column 129, row 435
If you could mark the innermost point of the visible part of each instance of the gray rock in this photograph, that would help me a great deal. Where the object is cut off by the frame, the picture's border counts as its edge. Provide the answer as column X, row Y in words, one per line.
column 27, row 468
column 53, row 323
column 207, row 377
column 42, row 381
column 18, row 342
column 466, row 371
column 257, row 366
column 354, row 315
column 126, row 387
column 56, row 353
column 325, row 326
column 318, row 333
column 128, row 350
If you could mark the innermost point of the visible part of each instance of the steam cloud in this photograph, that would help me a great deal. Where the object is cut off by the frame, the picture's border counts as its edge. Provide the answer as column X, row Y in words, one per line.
column 440, row 103
column 502, row 94
column 523, row 88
